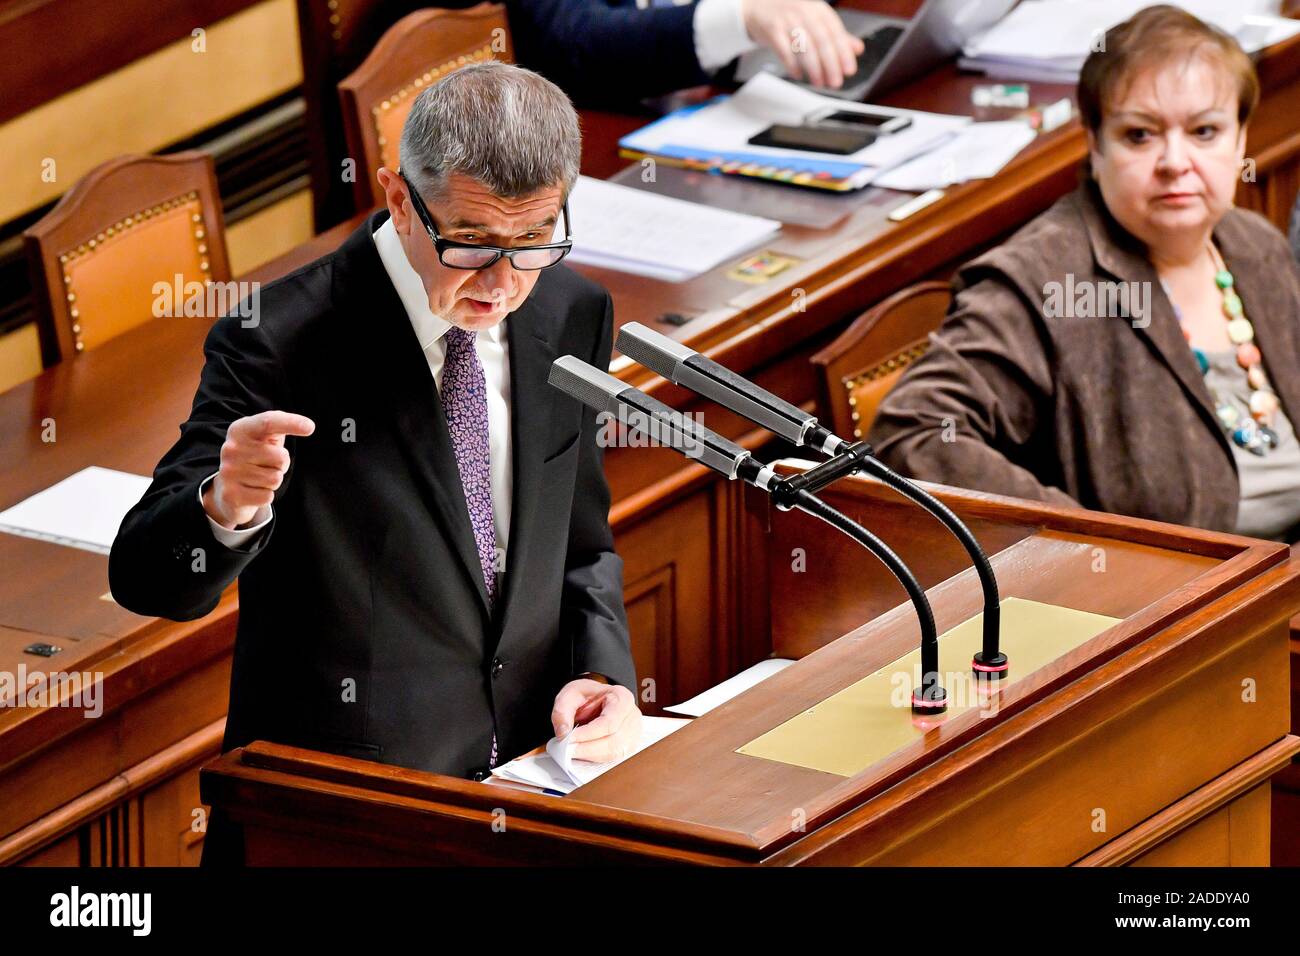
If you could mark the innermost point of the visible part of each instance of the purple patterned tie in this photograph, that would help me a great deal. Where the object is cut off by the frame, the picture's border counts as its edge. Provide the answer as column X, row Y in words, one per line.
column 464, row 401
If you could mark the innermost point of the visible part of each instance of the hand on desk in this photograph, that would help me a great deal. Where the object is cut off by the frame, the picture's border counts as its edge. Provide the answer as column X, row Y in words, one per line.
column 253, row 464
column 807, row 35
column 606, row 715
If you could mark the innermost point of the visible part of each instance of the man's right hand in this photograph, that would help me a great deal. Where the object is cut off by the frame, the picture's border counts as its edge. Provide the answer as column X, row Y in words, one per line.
column 253, row 463
column 808, row 36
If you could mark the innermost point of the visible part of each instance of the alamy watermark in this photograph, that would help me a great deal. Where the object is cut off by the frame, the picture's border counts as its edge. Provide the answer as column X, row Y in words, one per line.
column 208, row 300
column 77, row 690
column 636, row 429
column 1091, row 299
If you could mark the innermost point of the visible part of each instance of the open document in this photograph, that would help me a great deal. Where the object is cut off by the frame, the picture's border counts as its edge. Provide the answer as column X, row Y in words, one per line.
column 558, row 771
column 637, row 231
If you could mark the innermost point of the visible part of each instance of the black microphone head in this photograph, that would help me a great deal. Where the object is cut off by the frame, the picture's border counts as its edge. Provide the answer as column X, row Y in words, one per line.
column 656, row 352
column 591, row 386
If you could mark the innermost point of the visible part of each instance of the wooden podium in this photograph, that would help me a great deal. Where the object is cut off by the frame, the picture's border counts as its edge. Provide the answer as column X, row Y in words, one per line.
column 1151, row 743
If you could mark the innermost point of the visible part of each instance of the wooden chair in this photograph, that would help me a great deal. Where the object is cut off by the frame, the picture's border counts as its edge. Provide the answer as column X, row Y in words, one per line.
column 862, row 365
column 419, row 50
column 335, row 36
column 128, row 224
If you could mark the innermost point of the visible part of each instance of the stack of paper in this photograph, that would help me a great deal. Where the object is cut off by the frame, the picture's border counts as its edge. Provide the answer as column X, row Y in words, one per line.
column 716, row 136
column 82, row 511
column 979, row 151
column 557, row 770
column 633, row 230
column 1048, row 40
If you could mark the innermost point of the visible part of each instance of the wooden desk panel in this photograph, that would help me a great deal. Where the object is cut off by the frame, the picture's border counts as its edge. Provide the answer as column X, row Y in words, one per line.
column 701, row 760
column 1126, row 747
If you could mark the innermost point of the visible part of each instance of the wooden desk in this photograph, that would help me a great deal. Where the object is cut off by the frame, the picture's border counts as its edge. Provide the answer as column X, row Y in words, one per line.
column 1140, row 745
column 124, row 790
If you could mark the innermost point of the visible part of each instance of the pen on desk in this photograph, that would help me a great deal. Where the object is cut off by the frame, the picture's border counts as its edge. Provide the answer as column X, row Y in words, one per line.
column 913, row 206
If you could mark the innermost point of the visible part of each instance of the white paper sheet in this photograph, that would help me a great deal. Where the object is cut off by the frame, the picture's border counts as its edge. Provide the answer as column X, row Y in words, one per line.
column 978, row 152
column 83, row 510
column 701, row 704
column 557, row 770
column 637, row 231
column 1051, row 38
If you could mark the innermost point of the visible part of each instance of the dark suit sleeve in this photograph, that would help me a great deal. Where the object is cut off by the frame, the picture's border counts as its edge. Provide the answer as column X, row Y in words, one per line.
column 165, row 561
column 969, row 412
column 602, row 54
column 593, row 579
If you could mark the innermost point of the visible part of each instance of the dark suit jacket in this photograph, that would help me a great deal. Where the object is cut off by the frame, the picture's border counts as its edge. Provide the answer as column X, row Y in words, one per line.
column 1096, row 411
column 363, row 626
column 607, row 52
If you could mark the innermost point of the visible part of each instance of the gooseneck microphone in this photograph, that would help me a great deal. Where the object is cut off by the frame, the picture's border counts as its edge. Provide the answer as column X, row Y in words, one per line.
column 686, row 367
column 988, row 662
column 660, row 423
column 664, row 425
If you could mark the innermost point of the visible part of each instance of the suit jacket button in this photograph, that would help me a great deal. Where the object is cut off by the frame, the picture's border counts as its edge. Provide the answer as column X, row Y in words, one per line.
column 497, row 666
column 480, row 775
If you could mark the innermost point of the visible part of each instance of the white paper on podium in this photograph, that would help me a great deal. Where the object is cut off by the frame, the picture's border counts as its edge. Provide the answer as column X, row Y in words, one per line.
column 557, row 770
column 701, row 704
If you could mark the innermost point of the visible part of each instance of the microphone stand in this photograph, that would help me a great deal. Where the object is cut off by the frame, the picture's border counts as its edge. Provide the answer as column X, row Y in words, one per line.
column 797, row 492
column 930, row 698
column 989, row 662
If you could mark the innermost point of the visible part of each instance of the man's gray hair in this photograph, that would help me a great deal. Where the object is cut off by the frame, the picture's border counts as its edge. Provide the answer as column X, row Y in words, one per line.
column 512, row 130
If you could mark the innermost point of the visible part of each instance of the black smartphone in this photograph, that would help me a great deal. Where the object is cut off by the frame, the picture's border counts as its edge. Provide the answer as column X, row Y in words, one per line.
column 815, row 139
column 879, row 123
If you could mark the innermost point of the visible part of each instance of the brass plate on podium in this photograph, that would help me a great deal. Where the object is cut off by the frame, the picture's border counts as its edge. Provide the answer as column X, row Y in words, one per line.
column 867, row 721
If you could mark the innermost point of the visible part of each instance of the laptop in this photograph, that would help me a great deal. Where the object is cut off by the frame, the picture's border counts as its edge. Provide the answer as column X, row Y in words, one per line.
column 897, row 50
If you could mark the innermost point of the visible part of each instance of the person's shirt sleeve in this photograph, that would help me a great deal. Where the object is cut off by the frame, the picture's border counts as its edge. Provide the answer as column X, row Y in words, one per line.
column 241, row 539
column 720, row 34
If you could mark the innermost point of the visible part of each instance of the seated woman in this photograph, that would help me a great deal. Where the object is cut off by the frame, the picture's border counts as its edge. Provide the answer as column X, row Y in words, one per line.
column 1136, row 348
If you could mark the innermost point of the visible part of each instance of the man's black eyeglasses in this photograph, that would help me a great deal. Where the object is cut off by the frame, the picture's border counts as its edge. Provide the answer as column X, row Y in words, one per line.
column 469, row 255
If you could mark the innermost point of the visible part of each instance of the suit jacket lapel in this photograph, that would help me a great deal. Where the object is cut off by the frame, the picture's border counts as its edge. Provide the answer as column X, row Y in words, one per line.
column 1122, row 256
column 399, row 372
column 531, row 406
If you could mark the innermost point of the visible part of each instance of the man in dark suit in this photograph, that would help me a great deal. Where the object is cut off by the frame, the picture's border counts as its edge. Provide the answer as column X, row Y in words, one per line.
column 419, row 522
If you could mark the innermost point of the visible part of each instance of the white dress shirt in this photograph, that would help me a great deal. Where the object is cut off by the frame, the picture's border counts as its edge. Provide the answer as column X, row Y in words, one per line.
column 493, row 351
column 720, row 36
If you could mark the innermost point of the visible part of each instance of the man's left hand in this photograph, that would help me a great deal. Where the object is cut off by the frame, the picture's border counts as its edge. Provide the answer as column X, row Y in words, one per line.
column 606, row 715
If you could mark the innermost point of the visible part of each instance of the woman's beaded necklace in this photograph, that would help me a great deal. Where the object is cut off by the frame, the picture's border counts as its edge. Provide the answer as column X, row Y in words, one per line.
column 1254, row 432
